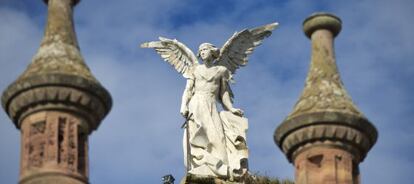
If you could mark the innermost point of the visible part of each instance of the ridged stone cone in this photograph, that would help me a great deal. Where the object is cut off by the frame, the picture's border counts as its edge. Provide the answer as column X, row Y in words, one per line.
column 57, row 73
column 325, row 122
column 56, row 103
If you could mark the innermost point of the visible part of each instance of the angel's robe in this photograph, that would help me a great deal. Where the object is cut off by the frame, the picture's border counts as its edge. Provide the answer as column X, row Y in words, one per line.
column 217, row 140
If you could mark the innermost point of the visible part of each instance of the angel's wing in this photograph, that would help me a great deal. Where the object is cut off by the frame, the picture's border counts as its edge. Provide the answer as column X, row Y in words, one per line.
column 235, row 51
column 175, row 53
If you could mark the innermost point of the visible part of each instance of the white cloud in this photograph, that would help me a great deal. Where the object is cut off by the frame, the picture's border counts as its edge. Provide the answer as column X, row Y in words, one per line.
column 19, row 40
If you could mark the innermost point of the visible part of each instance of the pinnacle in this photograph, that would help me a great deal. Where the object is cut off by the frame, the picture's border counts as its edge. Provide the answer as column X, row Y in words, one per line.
column 59, row 51
column 324, row 90
column 324, row 103
column 58, row 64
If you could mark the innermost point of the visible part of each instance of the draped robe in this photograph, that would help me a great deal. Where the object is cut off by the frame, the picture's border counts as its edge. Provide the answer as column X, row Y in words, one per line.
column 217, row 139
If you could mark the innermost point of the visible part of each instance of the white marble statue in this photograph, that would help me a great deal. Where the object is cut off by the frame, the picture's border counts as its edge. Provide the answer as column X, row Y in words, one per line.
column 214, row 142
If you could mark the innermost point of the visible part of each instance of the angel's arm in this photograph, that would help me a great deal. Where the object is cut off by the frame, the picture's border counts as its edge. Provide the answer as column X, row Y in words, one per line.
column 188, row 93
column 226, row 96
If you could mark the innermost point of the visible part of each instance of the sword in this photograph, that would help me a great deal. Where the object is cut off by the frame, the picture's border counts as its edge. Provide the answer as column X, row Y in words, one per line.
column 184, row 125
column 187, row 126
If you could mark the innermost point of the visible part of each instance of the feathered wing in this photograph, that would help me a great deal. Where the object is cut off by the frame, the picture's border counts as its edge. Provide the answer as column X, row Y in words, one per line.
column 234, row 53
column 175, row 53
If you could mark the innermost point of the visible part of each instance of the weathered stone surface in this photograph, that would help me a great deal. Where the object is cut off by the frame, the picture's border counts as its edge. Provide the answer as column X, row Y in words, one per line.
column 321, row 20
column 325, row 135
column 57, row 74
column 324, row 90
column 295, row 134
column 53, row 178
column 56, row 103
column 320, row 165
column 52, row 94
column 324, row 100
column 74, row 2
column 54, row 141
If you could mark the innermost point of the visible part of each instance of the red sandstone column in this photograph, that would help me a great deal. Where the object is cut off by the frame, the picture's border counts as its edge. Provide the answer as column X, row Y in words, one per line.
column 56, row 103
column 325, row 136
column 54, row 142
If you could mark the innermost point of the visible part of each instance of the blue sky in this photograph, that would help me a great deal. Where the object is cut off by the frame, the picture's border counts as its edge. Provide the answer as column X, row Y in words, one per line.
column 140, row 140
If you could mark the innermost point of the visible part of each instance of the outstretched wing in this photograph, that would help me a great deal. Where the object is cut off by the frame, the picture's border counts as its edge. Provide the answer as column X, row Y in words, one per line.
column 175, row 53
column 235, row 51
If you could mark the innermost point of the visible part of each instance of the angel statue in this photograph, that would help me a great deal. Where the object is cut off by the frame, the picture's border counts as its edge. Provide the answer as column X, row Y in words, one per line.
column 214, row 142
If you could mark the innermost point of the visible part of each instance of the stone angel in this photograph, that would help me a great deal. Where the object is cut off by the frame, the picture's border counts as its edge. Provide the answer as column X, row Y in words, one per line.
column 214, row 142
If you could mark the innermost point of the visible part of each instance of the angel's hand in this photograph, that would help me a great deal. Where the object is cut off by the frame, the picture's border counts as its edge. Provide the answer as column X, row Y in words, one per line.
column 237, row 112
column 184, row 112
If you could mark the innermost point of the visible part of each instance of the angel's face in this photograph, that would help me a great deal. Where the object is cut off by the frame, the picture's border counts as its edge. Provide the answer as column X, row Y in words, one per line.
column 206, row 53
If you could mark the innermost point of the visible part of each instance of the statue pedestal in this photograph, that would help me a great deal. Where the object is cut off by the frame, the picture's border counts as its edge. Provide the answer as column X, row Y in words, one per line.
column 195, row 179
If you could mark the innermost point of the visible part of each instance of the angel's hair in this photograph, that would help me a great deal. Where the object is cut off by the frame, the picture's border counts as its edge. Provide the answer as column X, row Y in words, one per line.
column 213, row 48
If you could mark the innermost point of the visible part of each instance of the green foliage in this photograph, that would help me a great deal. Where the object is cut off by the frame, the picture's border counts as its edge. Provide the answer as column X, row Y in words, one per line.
column 250, row 179
column 261, row 179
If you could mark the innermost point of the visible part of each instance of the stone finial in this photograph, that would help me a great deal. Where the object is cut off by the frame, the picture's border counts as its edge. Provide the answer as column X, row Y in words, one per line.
column 73, row 2
column 322, row 20
column 58, row 75
column 324, row 114
column 56, row 103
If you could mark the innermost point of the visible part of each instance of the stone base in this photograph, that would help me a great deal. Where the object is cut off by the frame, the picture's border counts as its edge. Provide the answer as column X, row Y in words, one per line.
column 194, row 179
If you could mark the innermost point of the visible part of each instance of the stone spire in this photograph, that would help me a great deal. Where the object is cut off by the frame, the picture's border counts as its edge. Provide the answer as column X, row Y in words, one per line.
column 325, row 136
column 56, row 103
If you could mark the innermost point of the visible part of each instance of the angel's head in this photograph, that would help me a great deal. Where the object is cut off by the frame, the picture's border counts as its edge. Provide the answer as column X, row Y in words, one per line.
column 208, row 52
